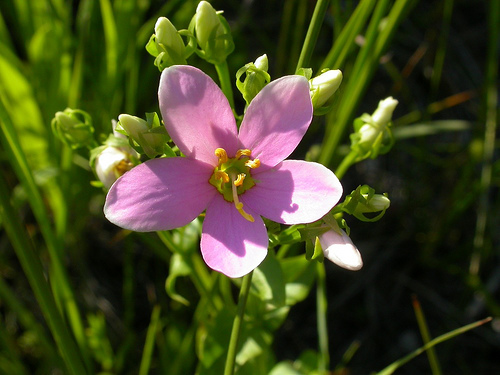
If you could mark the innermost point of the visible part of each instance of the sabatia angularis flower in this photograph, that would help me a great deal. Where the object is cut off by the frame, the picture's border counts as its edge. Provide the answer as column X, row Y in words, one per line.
column 235, row 177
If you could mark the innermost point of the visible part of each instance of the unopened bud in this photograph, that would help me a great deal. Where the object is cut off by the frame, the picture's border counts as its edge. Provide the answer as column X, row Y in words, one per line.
column 140, row 131
column 166, row 45
column 338, row 247
column 256, row 77
column 212, row 33
column 324, row 86
column 74, row 127
column 110, row 164
column 383, row 113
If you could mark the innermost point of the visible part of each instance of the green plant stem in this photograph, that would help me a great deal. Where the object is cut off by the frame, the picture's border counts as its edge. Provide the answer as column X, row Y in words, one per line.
column 34, row 272
column 225, row 81
column 147, row 352
column 426, row 337
column 321, row 310
column 312, row 34
column 491, row 99
column 346, row 163
column 237, row 324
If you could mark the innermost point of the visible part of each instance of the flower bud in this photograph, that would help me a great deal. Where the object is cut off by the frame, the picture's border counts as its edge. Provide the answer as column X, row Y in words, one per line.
column 383, row 113
column 324, row 86
column 338, row 248
column 110, row 164
column 363, row 201
column 255, row 79
column 74, row 127
column 166, row 45
column 372, row 133
column 140, row 131
column 212, row 33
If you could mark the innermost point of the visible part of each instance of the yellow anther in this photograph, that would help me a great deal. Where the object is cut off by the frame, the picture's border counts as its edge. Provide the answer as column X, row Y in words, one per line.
column 222, row 176
column 222, row 155
column 237, row 203
column 246, row 215
column 243, row 152
column 239, row 179
column 255, row 163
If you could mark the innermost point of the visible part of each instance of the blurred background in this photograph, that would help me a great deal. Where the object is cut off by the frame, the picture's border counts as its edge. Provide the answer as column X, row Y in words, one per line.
column 438, row 243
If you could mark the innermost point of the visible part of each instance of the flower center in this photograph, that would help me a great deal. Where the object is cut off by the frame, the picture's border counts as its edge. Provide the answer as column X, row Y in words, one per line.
column 232, row 177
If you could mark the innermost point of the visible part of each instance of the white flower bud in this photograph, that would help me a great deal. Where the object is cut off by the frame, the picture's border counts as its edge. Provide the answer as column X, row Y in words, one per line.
column 262, row 63
column 324, row 86
column 138, row 130
column 338, row 248
column 167, row 35
column 110, row 164
column 383, row 113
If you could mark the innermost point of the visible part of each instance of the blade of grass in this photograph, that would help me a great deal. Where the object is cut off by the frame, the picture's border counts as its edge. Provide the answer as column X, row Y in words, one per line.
column 394, row 366
column 491, row 100
column 34, row 272
column 61, row 283
column 147, row 352
column 426, row 337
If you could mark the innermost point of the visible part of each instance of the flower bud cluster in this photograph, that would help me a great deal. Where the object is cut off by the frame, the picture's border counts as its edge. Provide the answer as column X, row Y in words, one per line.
column 372, row 134
column 166, row 45
column 74, row 127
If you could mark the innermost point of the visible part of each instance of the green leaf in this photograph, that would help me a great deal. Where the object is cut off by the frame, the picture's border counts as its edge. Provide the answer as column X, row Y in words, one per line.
column 299, row 275
column 268, row 283
column 178, row 268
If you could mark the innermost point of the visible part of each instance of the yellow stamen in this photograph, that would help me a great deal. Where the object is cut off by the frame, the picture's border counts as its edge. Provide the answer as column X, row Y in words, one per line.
column 255, row 163
column 238, row 204
column 222, row 155
column 243, row 152
column 239, row 179
column 222, row 176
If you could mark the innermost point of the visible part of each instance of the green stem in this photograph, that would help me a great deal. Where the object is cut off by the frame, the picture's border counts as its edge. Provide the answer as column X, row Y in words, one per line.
column 346, row 163
column 237, row 324
column 321, row 310
column 225, row 81
column 312, row 33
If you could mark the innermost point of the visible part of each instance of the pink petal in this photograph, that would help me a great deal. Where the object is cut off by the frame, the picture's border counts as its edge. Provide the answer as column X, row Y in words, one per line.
column 338, row 248
column 277, row 119
column 196, row 113
column 229, row 243
column 160, row 194
column 294, row 192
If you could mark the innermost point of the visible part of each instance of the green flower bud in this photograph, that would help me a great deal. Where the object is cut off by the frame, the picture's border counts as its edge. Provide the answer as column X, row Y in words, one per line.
column 74, row 127
column 324, row 86
column 363, row 200
column 212, row 33
column 255, row 79
column 373, row 135
column 166, row 45
column 141, row 131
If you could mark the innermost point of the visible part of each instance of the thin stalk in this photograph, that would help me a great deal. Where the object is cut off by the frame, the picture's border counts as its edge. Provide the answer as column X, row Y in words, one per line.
column 394, row 366
column 225, row 81
column 237, row 324
column 312, row 34
column 34, row 272
column 426, row 337
column 147, row 352
column 491, row 98
column 346, row 163
column 321, row 310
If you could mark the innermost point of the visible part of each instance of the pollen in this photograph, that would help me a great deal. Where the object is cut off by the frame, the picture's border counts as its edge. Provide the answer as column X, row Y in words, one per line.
column 222, row 155
column 219, row 175
column 239, row 179
column 255, row 163
column 244, row 152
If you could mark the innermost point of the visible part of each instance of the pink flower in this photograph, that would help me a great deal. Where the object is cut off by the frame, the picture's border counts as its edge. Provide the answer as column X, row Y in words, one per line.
column 237, row 177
